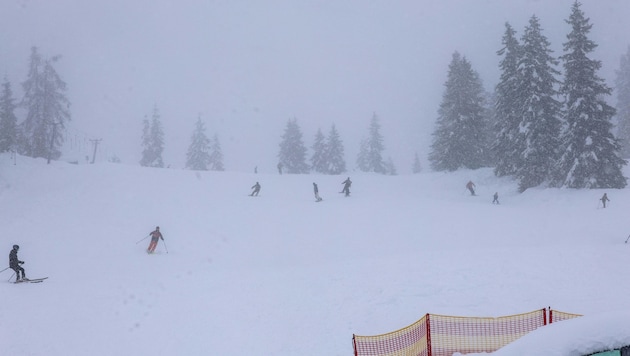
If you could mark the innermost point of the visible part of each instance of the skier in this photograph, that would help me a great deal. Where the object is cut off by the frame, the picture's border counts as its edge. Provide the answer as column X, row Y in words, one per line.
column 256, row 188
column 346, row 186
column 496, row 198
column 155, row 235
column 471, row 186
column 14, row 264
column 604, row 199
column 316, row 191
column 280, row 168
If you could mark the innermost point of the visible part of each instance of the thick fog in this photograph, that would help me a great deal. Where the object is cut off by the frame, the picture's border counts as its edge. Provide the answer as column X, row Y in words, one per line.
column 246, row 67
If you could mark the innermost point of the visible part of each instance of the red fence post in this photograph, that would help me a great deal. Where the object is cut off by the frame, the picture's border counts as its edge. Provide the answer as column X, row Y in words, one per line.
column 428, row 335
column 354, row 345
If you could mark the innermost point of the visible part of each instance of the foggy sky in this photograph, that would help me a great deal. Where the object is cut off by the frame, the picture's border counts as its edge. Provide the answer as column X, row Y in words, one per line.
column 246, row 67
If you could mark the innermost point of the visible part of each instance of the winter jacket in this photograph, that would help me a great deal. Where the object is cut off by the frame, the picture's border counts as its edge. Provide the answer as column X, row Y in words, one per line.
column 13, row 259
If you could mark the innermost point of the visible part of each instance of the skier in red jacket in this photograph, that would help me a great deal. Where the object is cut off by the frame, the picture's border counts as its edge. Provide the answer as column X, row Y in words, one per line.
column 155, row 235
column 471, row 186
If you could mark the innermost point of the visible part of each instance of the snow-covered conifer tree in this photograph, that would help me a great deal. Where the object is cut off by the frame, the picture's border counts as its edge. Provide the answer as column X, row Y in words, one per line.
column 319, row 162
column 216, row 155
column 370, row 157
column 198, row 156
column 459, row 140
column 292, row 150
column 508, row 145
column 622, row 87
column 8, row 120
column 335, row 152
column 47, row 109
column 152, row 141
column 416, row 167
column 538, row 108
column 590, row 153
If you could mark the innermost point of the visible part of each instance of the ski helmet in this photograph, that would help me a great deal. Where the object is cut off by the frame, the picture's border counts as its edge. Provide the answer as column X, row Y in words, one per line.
column 16, row 247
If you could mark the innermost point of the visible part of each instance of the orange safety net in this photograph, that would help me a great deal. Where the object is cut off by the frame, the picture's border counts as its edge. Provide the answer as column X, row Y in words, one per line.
column 451, row 334
column 555, row 316
column 410, row 340
column 442, row 335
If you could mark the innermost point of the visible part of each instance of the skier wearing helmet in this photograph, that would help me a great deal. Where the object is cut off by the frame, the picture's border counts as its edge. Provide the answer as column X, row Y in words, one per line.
column 14, row 264
column 155, row 235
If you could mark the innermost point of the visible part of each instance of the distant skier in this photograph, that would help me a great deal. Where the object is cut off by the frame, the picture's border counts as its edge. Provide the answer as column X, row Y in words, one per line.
column 604, row 199
column 14, row 264
column 346, row 186
column 155, row 236
column 316, row 191
column 496, row 198
column 256, row 188
column 280, row 168
column 471, row 186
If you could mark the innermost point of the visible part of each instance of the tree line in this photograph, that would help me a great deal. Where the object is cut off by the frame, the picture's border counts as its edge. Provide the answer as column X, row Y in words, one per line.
column 328, row 155
column 540, row 125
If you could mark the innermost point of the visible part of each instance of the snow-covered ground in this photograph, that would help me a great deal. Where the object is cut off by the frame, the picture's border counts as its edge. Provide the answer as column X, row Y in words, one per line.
column 280, row 274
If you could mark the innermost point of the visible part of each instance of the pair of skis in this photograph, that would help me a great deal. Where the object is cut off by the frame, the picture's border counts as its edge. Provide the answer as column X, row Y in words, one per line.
column 34, row 280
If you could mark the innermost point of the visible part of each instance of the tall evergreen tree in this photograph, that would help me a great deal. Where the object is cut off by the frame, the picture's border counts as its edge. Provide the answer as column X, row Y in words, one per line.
column 622, row 86
column 47, row 108
column 507, row 146
column 8, row 120
column 416, row 167
column 590, row 156
column 370, row 158
column 538, row 107
column 459, row 140
column 198, row 156
column 335, row 153
column 319, row 162
column 152, row 141
column 292, row 150
column 216, row 155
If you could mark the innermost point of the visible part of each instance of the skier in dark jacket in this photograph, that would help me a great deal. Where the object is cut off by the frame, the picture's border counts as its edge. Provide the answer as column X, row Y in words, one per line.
column 155, row 236
column 346, row 186
column 496, row 198
column 256, row 188
column 14, row 264
column 604, row 199
column 316, row 191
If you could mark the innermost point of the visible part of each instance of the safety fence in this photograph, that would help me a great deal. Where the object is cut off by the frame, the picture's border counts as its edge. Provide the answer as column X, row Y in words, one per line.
column 443, row 335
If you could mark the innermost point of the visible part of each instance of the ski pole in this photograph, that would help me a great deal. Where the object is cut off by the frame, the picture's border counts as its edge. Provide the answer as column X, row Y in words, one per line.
column 5, row 269
column 164, row 242
column 11, row 276
column 143, row 239
column 627, row 238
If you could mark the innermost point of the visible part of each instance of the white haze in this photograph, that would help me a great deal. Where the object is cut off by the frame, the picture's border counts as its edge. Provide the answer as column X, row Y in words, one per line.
column 246, row 67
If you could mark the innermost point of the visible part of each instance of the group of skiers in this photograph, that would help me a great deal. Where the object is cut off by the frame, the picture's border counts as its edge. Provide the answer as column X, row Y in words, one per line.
column 16, row 265
column 346, row 189
column 20, row 275
column 471, row 188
